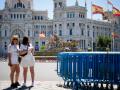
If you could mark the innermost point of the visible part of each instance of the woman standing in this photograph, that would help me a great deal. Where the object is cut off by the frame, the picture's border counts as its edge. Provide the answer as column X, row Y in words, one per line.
column 13, row 52
column 28, row 59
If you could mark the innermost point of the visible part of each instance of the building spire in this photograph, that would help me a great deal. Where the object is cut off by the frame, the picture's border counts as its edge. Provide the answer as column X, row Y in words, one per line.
column 76, row 3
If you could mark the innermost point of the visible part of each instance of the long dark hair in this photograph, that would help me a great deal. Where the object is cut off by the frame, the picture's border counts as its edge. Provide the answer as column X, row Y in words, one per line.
column 25, row 41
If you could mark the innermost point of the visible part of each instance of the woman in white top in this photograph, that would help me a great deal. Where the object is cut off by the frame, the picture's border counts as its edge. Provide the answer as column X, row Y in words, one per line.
column 28, row 59
column 13, row 52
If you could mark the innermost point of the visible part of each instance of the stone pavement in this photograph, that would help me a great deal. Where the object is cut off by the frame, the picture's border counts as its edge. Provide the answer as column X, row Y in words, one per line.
column 46, row 77
column 39, row 85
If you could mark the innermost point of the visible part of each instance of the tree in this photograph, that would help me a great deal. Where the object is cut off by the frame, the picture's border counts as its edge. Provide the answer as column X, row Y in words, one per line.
column 103, row 42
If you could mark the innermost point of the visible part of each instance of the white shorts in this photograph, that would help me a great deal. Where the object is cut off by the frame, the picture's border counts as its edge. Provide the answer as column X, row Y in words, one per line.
column 28, row 60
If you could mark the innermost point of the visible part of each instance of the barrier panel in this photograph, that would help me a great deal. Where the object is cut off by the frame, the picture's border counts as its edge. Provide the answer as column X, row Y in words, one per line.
column 89, row 69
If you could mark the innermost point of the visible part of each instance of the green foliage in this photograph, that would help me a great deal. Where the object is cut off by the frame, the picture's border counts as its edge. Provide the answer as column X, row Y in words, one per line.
column 43, row 48
column 103, row 42
column 46, row 53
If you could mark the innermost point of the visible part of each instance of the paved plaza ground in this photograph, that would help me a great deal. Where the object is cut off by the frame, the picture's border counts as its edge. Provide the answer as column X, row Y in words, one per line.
column 46, row 77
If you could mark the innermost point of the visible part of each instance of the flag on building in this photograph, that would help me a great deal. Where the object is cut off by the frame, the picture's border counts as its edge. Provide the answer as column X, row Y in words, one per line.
column 109, row 2
column 97, row 9
column 116, row 12
column 114, row 35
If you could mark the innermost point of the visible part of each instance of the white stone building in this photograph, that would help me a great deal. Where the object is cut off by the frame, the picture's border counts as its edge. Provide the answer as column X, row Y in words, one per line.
column 69, row 23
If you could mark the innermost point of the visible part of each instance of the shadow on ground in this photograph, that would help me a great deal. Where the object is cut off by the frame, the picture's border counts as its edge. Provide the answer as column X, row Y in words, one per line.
column 20, row 88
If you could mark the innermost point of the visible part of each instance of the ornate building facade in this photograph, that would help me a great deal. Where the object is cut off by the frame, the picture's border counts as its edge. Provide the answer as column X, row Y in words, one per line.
column 69, row 23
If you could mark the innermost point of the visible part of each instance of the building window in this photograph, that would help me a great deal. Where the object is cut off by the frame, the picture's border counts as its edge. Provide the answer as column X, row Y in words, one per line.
column 93, row 34
column 60, row 26
column 70, row 15
column 81, row 15
column 55, row 25
column 14, row 16
column 88, row 33
column 11, row 16
column 23, row 15
column 20, row 16
column 70, row 32
column 35, row 17
column 5, row 45
column 38, row 17
column 88, row 26
column 60, row 32
column 55, row 5
column 82, row 32
column 67, row 24
column 17, row 16
column 73, row 24
column 0, row 16
column 28, row 32
column 60, row 4
column 41, row 17
column 5, row 32
column 19, row 5
column 23, row 6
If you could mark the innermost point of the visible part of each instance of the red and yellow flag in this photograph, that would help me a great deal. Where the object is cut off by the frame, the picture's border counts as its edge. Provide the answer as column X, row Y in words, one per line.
column 97, row 9
column 116, row 12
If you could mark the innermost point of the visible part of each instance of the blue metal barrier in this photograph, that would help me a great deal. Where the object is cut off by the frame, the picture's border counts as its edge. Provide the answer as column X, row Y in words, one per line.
column 84, row 68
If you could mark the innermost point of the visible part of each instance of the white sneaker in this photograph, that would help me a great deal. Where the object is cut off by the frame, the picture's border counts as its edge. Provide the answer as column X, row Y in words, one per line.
column 32, row 84
column 24, row 84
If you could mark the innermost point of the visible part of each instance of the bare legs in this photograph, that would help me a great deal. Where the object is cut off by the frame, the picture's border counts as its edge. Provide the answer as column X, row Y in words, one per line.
column 32, row 73
column 25, row 70
column 14, row 69
column 17, row 73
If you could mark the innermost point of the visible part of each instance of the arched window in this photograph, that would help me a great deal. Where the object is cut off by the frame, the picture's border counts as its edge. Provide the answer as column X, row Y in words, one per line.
column 19, row 5
column 5, row 32
column 5, row 45
column 15, row 6
column 70, row 33
column 28, row 32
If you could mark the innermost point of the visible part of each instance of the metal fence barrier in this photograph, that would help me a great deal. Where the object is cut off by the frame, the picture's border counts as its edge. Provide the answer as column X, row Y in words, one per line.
column 90, row 70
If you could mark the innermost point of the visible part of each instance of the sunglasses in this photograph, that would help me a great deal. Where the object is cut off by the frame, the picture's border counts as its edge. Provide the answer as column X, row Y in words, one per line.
column 15, row 39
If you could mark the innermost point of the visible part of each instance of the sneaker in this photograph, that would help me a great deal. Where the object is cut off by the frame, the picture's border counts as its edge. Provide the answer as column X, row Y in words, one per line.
column 17, row 84
column 24, row 84
column 32, row 84
column 13, row 85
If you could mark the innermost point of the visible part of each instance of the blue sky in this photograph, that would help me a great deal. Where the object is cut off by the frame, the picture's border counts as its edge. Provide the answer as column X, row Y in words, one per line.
column 48, row 5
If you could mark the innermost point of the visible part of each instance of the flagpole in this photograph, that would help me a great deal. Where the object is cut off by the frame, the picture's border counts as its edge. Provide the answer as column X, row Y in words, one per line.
column 107, row 6
column 86, row 4
column 113, row 42
column 92, row 24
